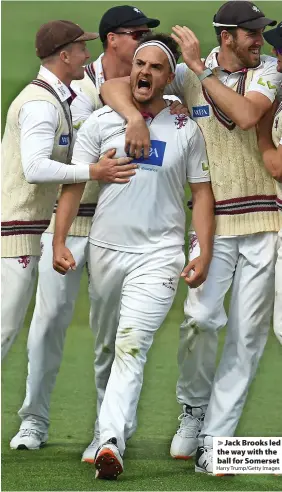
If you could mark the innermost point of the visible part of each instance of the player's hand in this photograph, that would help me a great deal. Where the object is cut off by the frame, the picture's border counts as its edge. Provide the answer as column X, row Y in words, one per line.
column 190, row 47
column 176, row 107
column 137, row 138
column 113, row 170
column 196, row 272
column 63, row 261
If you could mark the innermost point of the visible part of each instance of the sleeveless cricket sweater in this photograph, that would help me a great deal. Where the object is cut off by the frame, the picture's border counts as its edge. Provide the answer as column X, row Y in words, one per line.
column 245, row 195
column 276, row 137
column 82, row 223
column 27, row 208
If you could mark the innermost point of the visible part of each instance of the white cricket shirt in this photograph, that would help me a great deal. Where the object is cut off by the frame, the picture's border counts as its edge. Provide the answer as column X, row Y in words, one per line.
column 146, row 213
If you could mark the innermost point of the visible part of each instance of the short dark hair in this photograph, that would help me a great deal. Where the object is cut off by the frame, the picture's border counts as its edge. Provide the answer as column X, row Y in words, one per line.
column 218, row 31
column 163, row 38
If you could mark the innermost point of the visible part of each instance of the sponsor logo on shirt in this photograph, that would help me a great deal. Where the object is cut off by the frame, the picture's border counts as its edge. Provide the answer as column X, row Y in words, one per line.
column 64, row 140
column 156, row 154
column 201, row 111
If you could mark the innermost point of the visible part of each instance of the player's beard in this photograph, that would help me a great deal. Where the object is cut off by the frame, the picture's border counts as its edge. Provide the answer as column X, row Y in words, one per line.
column 245, row 57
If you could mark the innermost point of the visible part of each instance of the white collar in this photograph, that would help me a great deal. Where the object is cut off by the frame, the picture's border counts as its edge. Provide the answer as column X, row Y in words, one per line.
column 61, row 89
column 211, row 61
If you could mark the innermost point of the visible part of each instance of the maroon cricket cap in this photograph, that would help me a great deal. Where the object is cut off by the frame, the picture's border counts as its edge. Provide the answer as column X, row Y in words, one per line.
column 55, row 34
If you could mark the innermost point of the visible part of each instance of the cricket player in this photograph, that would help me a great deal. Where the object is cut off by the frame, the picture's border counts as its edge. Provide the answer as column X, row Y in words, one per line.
column 270, row 145
column 120, row 29
column 227, row 94
column 36, row 149
column 136, row 239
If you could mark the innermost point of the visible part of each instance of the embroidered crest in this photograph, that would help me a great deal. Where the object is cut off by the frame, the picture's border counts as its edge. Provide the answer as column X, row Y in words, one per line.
column 24, row 261
column 169, row 284
column 255, row 9
column 137, row 10
column 180, row 121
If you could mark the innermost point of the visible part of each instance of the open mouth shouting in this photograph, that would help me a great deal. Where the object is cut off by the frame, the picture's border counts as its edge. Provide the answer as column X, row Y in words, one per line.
column 144, row 86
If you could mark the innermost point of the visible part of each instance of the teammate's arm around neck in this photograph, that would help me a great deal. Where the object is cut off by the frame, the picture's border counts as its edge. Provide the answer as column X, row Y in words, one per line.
column 116, row 93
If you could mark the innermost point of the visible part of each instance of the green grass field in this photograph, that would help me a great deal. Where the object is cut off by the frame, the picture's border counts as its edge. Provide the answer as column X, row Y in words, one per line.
column 147, row 462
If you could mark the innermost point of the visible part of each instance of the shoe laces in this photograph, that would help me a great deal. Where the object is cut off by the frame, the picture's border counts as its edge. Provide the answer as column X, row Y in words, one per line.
column 31, row 432
column 189, row 425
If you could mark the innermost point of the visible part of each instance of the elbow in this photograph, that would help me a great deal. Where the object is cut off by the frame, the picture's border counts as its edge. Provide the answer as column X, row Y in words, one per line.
column 247, row 124
column 31, row 179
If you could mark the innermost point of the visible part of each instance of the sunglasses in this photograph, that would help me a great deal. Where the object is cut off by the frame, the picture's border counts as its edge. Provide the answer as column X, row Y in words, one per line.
column 136, row 35
column 278, row 51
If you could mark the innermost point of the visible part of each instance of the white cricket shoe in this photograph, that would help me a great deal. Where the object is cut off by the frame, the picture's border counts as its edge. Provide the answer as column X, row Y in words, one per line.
column 90, row 452
column 28, row 439
column 185, row 442
column 204, row 457
column 108, row 461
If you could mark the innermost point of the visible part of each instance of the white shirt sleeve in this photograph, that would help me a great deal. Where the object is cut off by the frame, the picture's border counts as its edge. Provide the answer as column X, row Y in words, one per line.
column 280, row 143
column 88, row 143
column 81, row 108
column 197, row 161
column 176, row 88
column 267, row 81
column 38, row 121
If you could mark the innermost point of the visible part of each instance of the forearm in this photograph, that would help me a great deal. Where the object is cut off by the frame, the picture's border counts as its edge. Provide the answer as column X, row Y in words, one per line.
column 67, row 210
column 204, row 222
column 44, row 170
column 237, row 107
column 117, row 94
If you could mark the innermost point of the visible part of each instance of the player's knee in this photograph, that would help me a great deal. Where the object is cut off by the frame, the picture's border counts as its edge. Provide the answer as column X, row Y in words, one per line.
column 132, row 343
column 204, row 320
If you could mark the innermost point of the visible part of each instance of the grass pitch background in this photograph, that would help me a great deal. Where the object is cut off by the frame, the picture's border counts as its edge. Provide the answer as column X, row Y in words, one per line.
column 147, row 462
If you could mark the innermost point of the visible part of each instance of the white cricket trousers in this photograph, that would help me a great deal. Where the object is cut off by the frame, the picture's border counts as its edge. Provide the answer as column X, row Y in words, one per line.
column 131, row 295
column 277, row 318
column 247, row 262
column 18, row 276
column 55, row 301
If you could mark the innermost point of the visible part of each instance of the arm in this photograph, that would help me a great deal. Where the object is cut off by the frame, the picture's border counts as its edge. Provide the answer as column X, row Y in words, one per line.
column 38, row 121
column 117, row 94
column 272, row 156
column 66, row 212
column 246, row 110
column 203, row 221
column 204, row 225
column 37, row 140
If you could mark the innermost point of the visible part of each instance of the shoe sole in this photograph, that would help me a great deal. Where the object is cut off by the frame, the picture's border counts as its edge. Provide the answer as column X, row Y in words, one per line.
column 198, row 469
column 181, row 457
column 107, row 465
column 88, row 460
column 23, row 447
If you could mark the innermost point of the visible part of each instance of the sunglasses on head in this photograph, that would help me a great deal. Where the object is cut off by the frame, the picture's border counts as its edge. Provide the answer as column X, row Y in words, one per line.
column 136, row 35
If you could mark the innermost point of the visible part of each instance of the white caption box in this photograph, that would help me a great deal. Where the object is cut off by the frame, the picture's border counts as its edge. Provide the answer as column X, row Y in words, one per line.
column 247, row 455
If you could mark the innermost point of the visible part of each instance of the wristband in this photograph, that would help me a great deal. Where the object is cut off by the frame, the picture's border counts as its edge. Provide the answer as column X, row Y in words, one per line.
column 206, row 73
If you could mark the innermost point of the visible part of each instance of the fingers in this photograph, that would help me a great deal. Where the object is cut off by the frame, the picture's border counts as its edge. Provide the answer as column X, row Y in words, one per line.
column 135, row 148
column 122, row 161
column 178, row 108
column 64, row 262
column 110, row 153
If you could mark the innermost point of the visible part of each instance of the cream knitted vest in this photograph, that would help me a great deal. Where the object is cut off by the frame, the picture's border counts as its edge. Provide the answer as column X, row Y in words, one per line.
column 27, row 208
column 276, row 137
column 82, row 223
column 243, row 190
